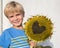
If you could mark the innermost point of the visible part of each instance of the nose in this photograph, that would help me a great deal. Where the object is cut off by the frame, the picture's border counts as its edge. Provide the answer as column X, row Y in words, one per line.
column 15, row 18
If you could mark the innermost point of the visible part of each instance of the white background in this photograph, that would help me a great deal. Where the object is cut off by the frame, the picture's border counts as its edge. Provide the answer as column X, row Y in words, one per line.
column 49, row 8
column 0, row 17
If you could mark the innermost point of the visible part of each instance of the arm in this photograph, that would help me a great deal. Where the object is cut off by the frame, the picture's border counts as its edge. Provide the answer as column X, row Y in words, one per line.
column 1, row 40
column 1, row 47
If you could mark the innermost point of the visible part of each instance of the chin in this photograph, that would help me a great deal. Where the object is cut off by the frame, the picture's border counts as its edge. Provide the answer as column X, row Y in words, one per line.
column 18, row 25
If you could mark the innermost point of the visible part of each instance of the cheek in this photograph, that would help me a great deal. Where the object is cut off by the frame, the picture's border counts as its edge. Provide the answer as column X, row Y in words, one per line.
column 11, row 20
column 21, row 18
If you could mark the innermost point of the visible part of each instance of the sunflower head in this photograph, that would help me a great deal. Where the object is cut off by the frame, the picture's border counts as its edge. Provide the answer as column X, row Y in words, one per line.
column 38, row 28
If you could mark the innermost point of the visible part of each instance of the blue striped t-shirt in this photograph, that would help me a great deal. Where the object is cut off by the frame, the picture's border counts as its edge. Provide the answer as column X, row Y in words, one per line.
column 14, row 38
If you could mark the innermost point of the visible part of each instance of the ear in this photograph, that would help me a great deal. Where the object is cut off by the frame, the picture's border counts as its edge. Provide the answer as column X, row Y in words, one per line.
column 23, row 14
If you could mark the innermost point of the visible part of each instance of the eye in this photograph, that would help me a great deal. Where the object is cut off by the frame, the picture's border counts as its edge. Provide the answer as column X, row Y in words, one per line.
column 10, row 16
column 17, row 14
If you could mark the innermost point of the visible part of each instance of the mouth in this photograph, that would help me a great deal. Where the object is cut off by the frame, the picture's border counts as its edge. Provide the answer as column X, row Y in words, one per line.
column 16, row 21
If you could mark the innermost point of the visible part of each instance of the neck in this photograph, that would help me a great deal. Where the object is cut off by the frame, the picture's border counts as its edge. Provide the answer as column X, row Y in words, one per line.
column 18, row 27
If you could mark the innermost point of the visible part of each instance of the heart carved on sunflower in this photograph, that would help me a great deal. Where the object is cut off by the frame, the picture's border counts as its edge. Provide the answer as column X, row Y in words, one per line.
column 37, row 29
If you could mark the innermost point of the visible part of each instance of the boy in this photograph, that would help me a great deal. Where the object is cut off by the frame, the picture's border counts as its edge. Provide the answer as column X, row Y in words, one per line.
column 15, row 36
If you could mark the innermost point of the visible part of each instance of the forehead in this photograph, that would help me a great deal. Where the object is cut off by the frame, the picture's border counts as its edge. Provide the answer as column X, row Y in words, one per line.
column 12, row 13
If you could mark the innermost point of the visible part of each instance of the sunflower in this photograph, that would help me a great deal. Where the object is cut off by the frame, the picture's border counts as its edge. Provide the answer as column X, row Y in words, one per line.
column 38, row 28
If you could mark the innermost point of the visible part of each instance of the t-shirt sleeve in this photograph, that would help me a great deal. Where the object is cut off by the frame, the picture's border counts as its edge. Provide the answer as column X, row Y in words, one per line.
column 4, row 39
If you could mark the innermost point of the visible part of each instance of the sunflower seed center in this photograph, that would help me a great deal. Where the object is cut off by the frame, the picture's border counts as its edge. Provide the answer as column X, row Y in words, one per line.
column 37, row 29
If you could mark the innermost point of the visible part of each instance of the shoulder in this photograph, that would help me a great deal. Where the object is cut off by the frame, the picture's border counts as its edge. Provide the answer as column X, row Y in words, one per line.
column 5, row 34
column 6, row 31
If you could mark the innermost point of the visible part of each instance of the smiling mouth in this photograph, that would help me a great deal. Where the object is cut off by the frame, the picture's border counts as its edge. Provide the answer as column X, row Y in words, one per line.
column 16, row 21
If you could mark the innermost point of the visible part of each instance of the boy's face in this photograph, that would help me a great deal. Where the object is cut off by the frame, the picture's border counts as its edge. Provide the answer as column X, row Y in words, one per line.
column 15, row 18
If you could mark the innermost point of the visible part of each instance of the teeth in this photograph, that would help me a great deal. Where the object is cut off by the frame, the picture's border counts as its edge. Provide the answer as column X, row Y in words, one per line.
column 16, row 21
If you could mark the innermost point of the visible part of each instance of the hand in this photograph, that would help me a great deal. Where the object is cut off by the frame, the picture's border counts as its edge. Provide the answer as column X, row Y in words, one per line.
column 32, row 43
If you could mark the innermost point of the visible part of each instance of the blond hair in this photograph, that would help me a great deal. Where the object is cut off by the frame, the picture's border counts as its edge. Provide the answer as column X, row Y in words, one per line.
column 13, row 7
